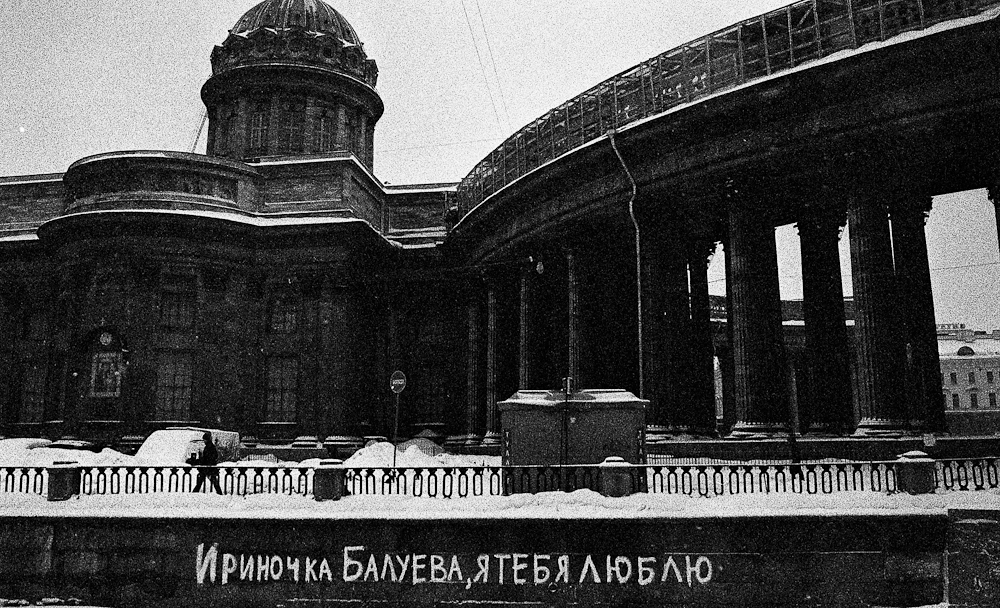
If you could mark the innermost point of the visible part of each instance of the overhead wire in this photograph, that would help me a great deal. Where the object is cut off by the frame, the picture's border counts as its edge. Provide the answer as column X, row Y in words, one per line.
column 482, row 66
column 496, row 74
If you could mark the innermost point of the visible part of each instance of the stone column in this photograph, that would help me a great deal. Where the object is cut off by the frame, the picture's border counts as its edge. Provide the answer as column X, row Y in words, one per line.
column 573, row 318
column 880, row 355
column 652, row 333
column 492, row 436
column 828, row 356
column 701, row 406
column 755, row 315
column 524, row 344
column 994, row 194
column 342, row 134
column 916, row 301
column 473, row 394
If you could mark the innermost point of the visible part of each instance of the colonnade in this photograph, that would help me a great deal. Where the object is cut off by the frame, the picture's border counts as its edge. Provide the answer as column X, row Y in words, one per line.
column 580, row 305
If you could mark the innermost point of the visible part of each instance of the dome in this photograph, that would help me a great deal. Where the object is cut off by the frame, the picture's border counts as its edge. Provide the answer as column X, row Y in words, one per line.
column 309, row 15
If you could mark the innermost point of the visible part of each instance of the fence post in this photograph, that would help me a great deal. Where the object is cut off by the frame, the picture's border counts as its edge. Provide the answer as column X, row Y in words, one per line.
column 328, row 480
column 64, row 480
column 616, row 477
column 915, row 473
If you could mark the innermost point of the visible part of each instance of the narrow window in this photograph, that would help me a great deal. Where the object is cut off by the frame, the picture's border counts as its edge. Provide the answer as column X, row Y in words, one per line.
column 954, row 378
column 291, row 128
column 326, row 132
column 282, row 389
column 974, row 401
column 173, row 387
column 993, row 400
column 956, row 402
column 972, row 377
column 989, row 377
column 258, row 130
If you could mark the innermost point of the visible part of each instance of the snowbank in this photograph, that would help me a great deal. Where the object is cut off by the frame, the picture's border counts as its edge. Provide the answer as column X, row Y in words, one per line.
column 414, row 453
column 35, row 453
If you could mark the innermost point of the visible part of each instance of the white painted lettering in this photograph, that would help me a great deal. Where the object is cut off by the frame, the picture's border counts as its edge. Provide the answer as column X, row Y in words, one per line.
column 388, row 568
column 563, row 574
column 520, row 563
column 703, row 565
column 483, row 561
column 246, row 567
column 541, row 572
column 293, row 567
column 229, row 566
column 311, row 570
column 324, row 570
column 353, row 569
column 372, row 570
column 588, row 565
column 615, row 569
column 455, row 571
column 418, row 565
column 404, row 563
column 205, row 562
column 277, row 568
column 692, row 570
column 263, row 568
column 666, row 569
column 439, row 573
column 501, row 557
column 646, row 573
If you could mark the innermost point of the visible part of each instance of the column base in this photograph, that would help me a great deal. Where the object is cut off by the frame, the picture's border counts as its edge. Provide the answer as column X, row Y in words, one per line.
column 454, row 441
column 827, row 429
column 491, row 439
column 872, row 427
column 759, row 430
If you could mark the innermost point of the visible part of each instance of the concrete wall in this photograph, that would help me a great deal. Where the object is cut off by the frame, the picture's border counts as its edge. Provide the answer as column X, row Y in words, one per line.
column 746, row 561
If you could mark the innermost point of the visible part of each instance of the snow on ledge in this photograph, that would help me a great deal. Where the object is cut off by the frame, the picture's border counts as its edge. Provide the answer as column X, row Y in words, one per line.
column 582, row 504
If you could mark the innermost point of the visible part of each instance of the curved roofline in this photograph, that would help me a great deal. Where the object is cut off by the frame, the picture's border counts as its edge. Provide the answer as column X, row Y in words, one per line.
column 688, row 86
column 190, row 157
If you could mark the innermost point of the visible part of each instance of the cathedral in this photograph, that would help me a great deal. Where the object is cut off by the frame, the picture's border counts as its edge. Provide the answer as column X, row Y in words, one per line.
column 273, row 285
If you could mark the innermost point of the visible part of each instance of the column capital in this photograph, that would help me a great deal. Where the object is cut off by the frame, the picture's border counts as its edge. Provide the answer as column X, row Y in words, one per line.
column 702, row 249
column 993, row 192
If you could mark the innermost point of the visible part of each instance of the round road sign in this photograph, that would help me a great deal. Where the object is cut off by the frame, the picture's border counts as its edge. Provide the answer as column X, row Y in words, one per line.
column 397, row 382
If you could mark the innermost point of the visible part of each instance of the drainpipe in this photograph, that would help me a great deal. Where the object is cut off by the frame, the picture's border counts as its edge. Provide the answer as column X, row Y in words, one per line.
column 638, row 258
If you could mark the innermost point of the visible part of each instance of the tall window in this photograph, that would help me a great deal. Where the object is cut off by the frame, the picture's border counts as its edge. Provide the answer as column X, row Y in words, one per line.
column 258, row 129
column 32, row 394
column 953, row 377
column 291, row 127
column 993, row 400
column 326, row 132
column 282, row 389
column 974, row 401
column 284, row 315
column 956, row 402
column 173, row 387
column 989, row 377
column 178, row 302
column 972, row 377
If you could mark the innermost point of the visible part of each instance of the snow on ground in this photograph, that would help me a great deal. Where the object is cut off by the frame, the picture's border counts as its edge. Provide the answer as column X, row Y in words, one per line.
column 414, row 453
column 34, row 453
column 582, row 504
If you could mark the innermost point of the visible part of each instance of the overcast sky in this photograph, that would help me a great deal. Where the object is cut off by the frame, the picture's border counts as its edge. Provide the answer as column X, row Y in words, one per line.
column 88, row 76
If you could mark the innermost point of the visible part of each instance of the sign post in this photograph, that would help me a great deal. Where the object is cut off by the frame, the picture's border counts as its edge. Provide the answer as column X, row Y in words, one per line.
column 397, row 382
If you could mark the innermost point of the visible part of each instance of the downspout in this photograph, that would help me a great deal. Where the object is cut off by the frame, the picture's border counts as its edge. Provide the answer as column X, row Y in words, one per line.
column 638, row 258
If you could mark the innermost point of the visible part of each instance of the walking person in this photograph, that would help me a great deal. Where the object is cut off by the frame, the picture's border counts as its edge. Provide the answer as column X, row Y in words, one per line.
column 209, row 458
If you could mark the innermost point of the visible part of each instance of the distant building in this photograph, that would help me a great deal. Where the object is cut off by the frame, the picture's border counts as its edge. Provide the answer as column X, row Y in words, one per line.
column 970, row 377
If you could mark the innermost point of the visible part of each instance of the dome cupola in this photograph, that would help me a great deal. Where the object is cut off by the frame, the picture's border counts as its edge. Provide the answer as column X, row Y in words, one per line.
column 292, row 78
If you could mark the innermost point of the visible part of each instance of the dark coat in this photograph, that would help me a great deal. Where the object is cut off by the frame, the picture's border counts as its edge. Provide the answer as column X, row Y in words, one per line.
column 210, row 457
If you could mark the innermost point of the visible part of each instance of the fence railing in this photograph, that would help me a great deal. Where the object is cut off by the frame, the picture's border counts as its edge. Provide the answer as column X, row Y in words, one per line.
column 696, row 480
column 967, row 474
column 768, row 44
